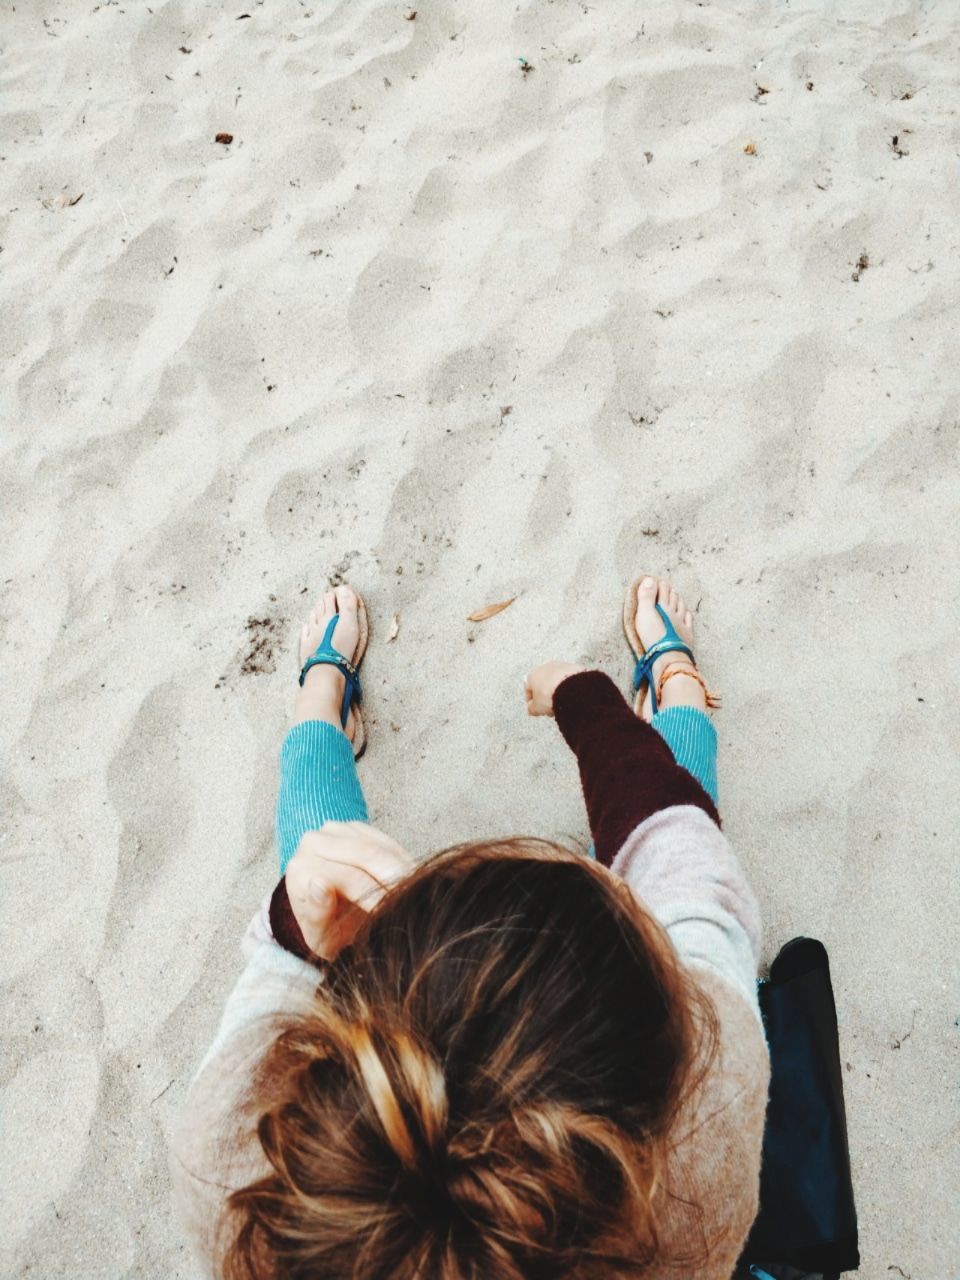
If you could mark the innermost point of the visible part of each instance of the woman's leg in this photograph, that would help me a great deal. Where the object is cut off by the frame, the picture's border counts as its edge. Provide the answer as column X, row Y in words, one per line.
column 318, row 774
column 318, row 784
column 690, row 735
column 681, row 719
column 692, row 739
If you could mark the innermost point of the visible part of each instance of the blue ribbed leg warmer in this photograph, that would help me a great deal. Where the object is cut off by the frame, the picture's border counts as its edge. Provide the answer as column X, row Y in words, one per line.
column 691, row 737
column 318, row 784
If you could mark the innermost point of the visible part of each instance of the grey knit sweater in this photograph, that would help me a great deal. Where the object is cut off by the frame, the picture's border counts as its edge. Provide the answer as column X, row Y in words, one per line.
column 681, row 867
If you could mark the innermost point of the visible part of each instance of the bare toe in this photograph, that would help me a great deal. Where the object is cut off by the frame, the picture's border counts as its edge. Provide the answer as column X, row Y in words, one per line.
column 346, row 599
column 342, row 601
column 647, row 591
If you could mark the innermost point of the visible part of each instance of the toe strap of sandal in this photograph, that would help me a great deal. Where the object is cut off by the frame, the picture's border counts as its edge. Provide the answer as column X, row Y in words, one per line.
column 325, row 653
column 646, row 660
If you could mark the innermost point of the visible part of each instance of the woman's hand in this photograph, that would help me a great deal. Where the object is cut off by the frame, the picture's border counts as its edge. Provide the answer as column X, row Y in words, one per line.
column 541, row 683
column 336, row 876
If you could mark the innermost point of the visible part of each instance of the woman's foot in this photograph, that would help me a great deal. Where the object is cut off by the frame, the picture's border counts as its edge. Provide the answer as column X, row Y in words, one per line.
column 321, row 695
column 679, row 690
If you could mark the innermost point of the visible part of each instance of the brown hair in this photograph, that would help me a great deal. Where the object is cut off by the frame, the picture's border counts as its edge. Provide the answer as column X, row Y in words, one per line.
column 485, row 1087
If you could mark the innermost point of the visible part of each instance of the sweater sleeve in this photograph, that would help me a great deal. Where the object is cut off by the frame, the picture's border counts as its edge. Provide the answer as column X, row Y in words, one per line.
column 275, row 922
column 683, row 870
column 655, row 826
column 273, row 981
column 215, row 1148
column 627, row 770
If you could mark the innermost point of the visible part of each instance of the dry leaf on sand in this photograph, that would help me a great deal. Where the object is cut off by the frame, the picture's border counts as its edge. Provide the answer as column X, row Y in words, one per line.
column 481, row 615
column 394, row 627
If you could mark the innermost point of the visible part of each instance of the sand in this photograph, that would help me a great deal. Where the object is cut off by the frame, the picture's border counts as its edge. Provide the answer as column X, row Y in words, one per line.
column 460, row 331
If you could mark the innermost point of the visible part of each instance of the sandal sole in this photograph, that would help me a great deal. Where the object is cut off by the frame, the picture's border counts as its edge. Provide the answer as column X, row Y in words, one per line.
column 632, row 634
column 360, row 737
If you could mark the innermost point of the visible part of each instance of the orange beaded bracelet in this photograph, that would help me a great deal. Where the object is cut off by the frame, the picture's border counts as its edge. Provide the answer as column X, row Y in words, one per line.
column 681, row 669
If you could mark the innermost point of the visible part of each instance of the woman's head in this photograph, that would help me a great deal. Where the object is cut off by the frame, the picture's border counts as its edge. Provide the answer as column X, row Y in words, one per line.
column 486, row 1085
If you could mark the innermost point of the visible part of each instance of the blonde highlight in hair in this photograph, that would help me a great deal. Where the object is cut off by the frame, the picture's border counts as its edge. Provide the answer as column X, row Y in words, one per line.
column 485, row 1086
column 381, row 1093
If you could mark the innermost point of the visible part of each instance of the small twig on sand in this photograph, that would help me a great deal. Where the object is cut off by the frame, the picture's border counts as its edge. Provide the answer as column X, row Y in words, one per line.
column 162, row 1091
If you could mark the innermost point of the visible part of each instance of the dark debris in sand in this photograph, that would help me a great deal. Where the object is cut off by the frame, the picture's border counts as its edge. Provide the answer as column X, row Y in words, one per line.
column 264, row 642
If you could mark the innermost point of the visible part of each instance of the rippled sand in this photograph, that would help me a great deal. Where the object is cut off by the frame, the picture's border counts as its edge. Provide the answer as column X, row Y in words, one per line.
column 460, row 332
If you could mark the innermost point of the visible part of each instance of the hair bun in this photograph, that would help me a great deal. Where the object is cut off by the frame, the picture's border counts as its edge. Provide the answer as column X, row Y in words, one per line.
column 405, row 1085
column 484, row 1087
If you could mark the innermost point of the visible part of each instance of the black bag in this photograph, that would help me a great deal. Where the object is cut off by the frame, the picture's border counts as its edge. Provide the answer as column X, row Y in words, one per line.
column 807, row 1222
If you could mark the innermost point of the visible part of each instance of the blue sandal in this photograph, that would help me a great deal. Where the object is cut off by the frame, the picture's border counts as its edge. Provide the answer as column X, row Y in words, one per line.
column 670, row 643
column 352, row 693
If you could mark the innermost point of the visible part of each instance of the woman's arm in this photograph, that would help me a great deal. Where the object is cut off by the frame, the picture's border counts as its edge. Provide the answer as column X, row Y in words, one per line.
column 214, row 1147
column 655, row 826
column 683, row 870
column 336, row 876
column 627, row 770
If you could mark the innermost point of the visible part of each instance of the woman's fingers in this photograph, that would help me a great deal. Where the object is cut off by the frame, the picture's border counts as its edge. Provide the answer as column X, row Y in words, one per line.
column 360, row 874
column 336, row 876
column 314, row 906
column 358, row 867
column 363, row 884
column 364, row 834
column 321, row 894
column 358, row 836
column 542, row 682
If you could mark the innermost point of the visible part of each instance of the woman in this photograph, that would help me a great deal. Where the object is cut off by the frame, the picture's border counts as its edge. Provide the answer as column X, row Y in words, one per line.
column 508, row 1060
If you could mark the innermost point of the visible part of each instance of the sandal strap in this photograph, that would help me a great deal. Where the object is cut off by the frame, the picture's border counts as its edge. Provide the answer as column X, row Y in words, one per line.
column 646, row 660
column 680, row 669
column 326, row 653
column 669, row 642
column 335, row 659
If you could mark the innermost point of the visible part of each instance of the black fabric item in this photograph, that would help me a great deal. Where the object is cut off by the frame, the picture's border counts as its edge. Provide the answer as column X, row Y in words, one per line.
column 807, row 1217
column 753, row 1272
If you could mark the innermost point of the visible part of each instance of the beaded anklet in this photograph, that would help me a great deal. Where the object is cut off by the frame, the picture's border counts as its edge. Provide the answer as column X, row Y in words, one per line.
column 680, row 669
